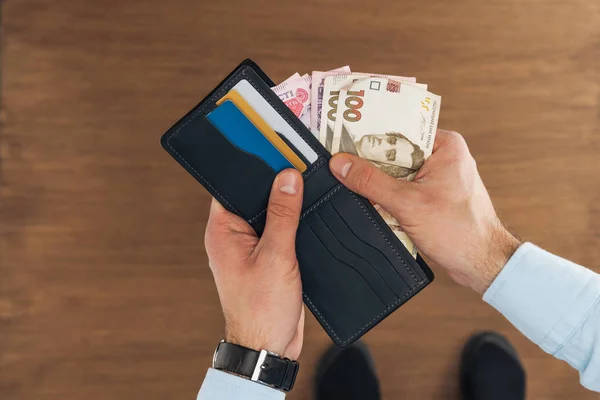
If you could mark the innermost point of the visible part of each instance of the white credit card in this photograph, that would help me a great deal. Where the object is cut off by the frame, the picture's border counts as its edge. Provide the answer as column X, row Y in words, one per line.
column 273, row 119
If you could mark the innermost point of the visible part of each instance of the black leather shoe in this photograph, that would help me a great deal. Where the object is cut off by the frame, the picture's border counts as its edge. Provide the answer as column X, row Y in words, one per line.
column 347, row 374
column 491, row 370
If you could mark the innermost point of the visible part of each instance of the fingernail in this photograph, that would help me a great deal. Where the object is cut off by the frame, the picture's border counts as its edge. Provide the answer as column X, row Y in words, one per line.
column 341, row 165
column 288, row 183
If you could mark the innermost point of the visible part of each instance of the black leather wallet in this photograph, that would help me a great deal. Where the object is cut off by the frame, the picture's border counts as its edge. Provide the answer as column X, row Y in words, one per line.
column 354, row 270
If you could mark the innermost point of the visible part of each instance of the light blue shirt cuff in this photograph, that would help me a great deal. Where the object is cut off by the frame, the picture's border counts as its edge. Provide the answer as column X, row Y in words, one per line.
column 544, row 296
column 219, row 385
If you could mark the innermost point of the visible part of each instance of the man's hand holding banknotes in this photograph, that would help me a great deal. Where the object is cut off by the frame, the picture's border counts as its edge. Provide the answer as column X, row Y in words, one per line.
column 389, row 120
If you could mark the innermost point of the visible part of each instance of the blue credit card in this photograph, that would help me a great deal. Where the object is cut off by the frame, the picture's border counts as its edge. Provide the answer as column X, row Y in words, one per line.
column 240, row 131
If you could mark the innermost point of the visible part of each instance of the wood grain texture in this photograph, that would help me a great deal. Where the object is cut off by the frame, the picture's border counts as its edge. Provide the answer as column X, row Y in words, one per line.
column 105, row 289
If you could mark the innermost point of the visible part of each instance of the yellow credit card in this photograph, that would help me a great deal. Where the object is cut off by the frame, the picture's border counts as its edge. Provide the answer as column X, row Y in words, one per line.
column 264, row 128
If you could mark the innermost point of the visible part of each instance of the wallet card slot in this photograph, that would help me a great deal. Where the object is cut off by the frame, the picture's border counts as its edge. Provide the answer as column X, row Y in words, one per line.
column 228, row 172
column 378, row 260
column 259, row 102
column 369, row 228
column 342, row 253
column 363, row 224
column 288, row 116
column 330, row 285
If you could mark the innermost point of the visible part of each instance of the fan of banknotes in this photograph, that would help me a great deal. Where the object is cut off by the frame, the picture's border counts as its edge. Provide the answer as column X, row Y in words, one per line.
column 388, row 120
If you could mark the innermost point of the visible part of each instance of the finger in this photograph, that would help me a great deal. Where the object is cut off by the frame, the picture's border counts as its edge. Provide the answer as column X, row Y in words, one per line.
column 450, row 140
column 364, row 178
column 283, row 211
column 216, row 208
column 441, row 137
column 216, row 216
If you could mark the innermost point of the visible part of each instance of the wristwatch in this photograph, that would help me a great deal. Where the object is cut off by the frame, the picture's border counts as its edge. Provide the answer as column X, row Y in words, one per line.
column 259, row 366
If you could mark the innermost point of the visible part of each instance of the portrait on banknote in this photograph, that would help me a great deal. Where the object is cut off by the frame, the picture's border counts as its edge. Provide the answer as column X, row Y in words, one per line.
column 393, row 152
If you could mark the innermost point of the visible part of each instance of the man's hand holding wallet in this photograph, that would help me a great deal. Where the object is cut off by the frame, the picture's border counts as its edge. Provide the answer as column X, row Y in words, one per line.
column 259, row 283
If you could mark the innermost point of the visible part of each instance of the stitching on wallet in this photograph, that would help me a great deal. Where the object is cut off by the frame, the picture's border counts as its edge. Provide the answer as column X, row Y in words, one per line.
column 368, row 324
column 370, row 245
column 257, row 216
column 384, row 237
column 218, row 94
column 318, row 203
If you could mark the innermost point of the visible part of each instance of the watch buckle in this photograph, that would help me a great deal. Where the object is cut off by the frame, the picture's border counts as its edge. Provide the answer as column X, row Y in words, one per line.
column 259, row 365
column 262, row 356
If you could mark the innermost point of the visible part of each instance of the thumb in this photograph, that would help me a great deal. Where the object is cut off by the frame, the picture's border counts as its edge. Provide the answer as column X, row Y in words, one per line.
column 283, row 211
column 364, row 178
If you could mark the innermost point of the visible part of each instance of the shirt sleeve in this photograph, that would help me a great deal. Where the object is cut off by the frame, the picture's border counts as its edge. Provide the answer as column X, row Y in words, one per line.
column 219, row 385
column 553, row 302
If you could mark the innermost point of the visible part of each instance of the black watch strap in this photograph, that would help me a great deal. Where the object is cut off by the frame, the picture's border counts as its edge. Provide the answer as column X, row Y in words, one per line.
column 260, row 366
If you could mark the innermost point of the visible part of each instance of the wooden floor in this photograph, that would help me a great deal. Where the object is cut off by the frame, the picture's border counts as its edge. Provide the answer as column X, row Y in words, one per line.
column 105, row 291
